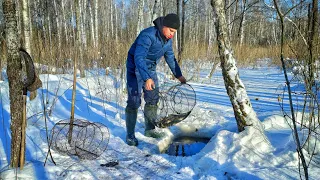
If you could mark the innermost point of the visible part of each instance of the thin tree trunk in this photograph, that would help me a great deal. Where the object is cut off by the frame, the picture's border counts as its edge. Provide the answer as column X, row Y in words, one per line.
column 242, row 21
column 140, row 16
column 66, row 36
column 161, row 8
column 58, row 24
column 74, row 88
column 111, row 19
column 96, row 24
column 313, row 40
column 211, row 34
column 293, row 117
column 50, row 34
column 26, row 25
column 82, row 38
column 243, row 111
column 15, row 84
column 233, row 20
column 182, row 38
column 154, row 11
column 92, row 25
column 83, row 16
column 178, row 34
column 116, row 25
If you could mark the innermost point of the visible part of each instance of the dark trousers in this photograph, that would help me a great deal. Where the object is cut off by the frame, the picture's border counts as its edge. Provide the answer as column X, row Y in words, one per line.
column 135, row 87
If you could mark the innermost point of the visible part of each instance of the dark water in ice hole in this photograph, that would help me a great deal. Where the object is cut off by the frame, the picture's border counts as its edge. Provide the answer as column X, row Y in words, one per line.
column 186, row 146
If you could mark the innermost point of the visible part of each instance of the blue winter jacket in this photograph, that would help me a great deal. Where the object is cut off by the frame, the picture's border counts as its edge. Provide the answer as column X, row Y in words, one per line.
column 148, row 48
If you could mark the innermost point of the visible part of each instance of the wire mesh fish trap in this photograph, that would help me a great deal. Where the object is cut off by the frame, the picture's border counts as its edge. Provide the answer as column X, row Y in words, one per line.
column 175, row 104
column 86, row 140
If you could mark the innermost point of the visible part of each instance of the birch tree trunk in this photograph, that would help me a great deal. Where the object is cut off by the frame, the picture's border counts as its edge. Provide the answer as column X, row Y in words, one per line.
column 178, row 34
column 96, row 24
column 182, row 30
column 111, row 19
column 154, row 11
column 2, row 44
column 26, row 25
column 66, row 35
column 58, row 24
column 81, row 40
column 116, row 26
column 83, row 17
column 140, row 16
column 92, row 25
column 161, row 13
column 234, row 17
column 15, row 84
column 243, row 111
column 210, row 45
column 242, row 21
column 313, row 34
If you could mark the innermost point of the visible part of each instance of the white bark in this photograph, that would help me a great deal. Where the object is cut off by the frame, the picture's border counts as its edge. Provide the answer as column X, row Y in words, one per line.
column 111, row 19
column 161, row 8
column 92, row 25
column 63, row 4
column 243, row 21
column 154, row 11
column 210, row 34
column 78, row 9
column 82, row 23
column 96, row 24
column 244, row 113
column 50, row 32
column 140, row 16
column 26, row 25
column 116, row 23
column 58, row 28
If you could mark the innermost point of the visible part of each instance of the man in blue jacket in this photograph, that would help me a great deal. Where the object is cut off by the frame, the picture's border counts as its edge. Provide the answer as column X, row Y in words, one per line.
column 143, row 57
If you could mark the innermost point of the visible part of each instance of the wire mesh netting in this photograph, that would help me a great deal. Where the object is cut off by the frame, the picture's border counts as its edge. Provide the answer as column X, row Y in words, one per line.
column 87, row 140
column 175, row 104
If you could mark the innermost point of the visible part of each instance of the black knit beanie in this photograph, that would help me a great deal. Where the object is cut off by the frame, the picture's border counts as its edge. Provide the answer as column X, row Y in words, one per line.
column 171, row 21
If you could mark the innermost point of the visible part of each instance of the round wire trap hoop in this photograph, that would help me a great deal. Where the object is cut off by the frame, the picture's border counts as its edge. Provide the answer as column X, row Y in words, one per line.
column 87, row 140
column 175, row 104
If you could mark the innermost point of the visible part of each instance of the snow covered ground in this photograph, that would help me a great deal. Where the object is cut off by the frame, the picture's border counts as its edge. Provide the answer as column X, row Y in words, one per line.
column 228, row 155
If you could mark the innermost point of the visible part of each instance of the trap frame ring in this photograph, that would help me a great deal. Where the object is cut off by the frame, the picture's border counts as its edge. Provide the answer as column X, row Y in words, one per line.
column 168, row 113
column 89, row 139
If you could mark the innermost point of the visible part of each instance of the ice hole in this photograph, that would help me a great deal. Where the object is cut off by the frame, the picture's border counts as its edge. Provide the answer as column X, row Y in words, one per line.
column 186, row 146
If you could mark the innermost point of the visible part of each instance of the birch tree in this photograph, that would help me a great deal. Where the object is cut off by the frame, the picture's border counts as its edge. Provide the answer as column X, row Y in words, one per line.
column 15, row 84
column 140, row 16
column 92, row 24
column 154, row 11
column 80, row 39
column 26, row 25
column 242, row 21
column 96, row 24
column 243, row 111
column 2, row 44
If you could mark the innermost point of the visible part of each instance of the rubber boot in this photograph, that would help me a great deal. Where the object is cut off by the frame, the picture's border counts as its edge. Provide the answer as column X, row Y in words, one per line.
column 150, row 116
column 131, row 118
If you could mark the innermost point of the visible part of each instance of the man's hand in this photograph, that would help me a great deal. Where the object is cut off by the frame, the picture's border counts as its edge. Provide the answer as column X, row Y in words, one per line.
column 182, row 80
column 150, row 84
